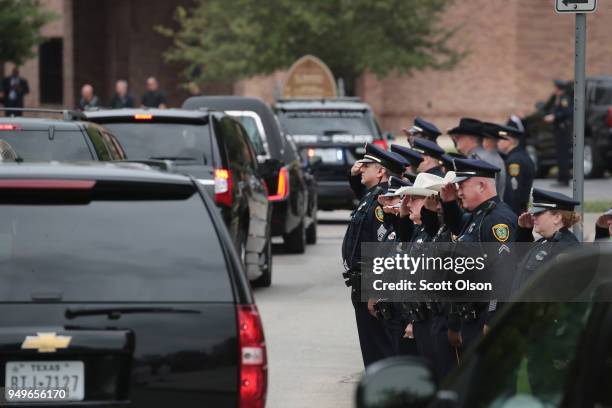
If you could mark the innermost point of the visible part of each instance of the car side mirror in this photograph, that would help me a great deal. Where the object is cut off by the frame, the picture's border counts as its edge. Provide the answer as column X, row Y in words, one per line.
column 397, row 382
column 389, row 136
column 314, row 161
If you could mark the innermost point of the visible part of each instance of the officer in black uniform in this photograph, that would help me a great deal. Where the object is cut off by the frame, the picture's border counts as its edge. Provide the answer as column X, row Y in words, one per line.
column 520, row 170
column 366, row 225
column 561, row 119
column 414, row 159
column 432, row 156
column 422, row 129
column 448, row 160
column 484, row 219
column 551, row 215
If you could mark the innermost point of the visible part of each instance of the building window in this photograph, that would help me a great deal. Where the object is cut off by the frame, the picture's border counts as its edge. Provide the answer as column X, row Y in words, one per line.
column 50, row 60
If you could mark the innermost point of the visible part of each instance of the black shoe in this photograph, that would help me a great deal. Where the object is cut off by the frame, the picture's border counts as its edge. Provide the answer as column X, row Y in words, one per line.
column 560, row 184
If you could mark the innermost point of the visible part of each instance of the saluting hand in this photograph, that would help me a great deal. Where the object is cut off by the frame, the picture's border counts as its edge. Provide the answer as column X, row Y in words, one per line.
column 409, row 332
column 404, row 209
column 525, row 221
column 448, row 192
column 604, row 221
column 356, row 168
column 431, row 203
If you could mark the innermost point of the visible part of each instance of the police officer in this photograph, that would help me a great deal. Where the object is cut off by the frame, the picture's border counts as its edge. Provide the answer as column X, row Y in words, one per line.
column 366, row 225
column 520, row 170
column 551, row 216
column 487, row 220
column 468, row 136
column 448, row 160
column 414, row 159
column 422, row 129
column 432, row 156
column 561, row 119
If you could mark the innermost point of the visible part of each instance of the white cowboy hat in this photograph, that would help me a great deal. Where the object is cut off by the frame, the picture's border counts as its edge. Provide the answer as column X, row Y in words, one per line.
column 423, row 185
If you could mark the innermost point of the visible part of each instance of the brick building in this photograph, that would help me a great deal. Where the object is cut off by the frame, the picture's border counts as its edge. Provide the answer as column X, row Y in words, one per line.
column 516, row 47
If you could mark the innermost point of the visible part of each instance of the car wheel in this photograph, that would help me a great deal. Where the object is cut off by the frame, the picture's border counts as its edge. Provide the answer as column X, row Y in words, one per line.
column 265, row 280
column 295, row 241
column 311, row 231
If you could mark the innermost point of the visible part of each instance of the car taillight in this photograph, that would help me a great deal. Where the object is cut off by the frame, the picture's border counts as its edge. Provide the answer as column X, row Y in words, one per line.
column 9, row 126
column 610, row 117
column 253, row 359
column 282, row 189
column 44, row 184
column 381, row 143
column 223, row 187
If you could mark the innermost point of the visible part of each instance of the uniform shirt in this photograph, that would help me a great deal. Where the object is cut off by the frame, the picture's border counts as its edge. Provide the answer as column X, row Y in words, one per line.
column 543, row 250
column 520, row 172
column 563, row 112
column 495, row 159
column 366, row 225
column 152, row 99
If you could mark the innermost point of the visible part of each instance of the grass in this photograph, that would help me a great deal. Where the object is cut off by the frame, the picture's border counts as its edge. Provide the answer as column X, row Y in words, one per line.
column 597, row 206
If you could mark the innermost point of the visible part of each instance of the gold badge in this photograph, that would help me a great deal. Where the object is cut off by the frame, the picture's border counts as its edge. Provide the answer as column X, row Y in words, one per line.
column 514, row 169
column 46, row 342
column 564, row 103
column 501, row 232
column 378, row 212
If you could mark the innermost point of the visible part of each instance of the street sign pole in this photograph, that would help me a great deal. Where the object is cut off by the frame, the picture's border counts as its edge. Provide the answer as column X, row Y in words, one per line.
column 579, row 109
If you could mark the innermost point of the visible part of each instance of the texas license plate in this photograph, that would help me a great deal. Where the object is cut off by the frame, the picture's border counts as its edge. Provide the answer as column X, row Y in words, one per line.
column 330, row 155
column 44, row 376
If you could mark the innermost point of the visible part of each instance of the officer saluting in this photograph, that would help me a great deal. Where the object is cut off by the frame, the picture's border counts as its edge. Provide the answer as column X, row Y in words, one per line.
column 561, row 119
column 487, row 219
column 520, row 170
column 367, row 225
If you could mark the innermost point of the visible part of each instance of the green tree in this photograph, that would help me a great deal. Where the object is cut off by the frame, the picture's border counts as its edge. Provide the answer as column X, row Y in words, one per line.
column 228, row 40
column 20, row 24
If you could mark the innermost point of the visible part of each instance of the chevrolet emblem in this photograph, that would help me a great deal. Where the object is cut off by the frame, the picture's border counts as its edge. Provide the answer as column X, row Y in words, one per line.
column 46, row 342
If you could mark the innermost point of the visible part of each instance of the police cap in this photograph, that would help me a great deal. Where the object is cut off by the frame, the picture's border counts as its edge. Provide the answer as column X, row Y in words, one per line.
column 389, row 160
column 427, row 147
column 543, row 200
column 424, row 128
column 414, row 158
column 468, row 126
column 466, row 168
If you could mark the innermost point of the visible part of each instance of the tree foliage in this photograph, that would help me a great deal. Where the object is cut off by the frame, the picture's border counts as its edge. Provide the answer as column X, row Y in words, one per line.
column 20, row 24
column 228, row 40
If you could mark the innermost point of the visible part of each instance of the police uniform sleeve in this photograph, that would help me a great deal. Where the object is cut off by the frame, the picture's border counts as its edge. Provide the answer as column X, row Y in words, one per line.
column 454, row 216
column 524, row 235
column 519, row 183
column 430, row 221
column 403, row 227
column 374, row 228
column 358, row 188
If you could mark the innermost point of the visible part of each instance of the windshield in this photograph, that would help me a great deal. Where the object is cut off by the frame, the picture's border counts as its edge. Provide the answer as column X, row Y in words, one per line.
column 40, row 145
column 528, row 357
column 327, row 123
column 112, row 251
column 143, row 141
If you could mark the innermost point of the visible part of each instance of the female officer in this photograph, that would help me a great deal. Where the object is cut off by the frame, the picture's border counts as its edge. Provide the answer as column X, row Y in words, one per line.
column 551, row 216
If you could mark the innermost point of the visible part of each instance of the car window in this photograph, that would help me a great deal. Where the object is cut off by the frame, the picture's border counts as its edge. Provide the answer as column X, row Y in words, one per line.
column 142, row 141
column 42, row 145
column 236, row 145
column 327, row 123
column 602, row 95
column 95, row 135
column 528, row 356
column 113, row 251
column 113, row 146
column 250, row 125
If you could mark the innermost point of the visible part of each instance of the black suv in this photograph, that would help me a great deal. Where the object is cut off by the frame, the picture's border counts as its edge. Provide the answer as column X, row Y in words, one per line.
column 124, row 290
column 71, row 138
column 214, row 148
column 335, row 130
column 291, row 188
column 597, row 133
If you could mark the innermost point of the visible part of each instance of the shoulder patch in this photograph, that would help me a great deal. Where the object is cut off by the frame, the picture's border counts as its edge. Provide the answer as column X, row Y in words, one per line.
column 514, row 169
column 501, row 232
column 378, row 212
column 564, row 102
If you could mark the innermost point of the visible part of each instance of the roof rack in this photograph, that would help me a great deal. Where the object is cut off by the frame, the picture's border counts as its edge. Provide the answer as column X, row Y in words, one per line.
column 67, row 114
column 323, row 100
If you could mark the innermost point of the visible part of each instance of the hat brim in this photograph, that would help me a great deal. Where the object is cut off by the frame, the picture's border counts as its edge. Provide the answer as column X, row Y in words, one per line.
column 451, row 177
column 416, row 191
column 537, row 210
column 365, row 161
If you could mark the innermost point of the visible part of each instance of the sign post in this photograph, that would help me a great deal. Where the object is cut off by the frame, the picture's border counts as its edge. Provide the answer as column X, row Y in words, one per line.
column 578, row 7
